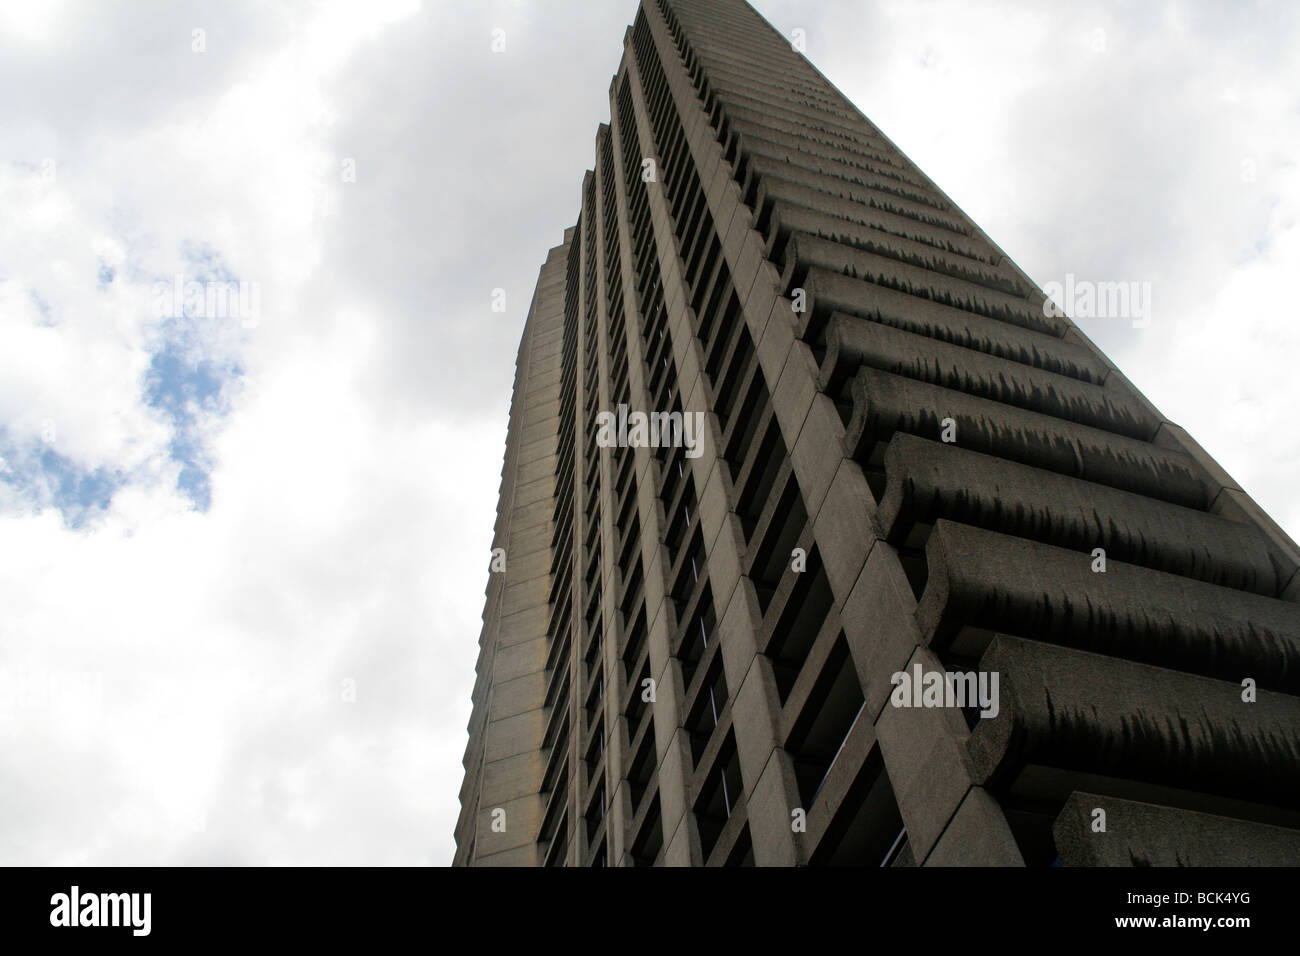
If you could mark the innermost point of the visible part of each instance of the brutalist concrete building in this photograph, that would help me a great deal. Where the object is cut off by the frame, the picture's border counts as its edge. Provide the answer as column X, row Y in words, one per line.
column 932, row 584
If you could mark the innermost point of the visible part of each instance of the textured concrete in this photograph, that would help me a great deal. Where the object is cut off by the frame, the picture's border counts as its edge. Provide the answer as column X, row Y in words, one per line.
column 1141, row 834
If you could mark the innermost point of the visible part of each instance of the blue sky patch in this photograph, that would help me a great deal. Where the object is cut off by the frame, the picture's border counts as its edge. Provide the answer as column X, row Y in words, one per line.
column 186, row 388
column 40, row 477
column 191, row 375
column 193, row 370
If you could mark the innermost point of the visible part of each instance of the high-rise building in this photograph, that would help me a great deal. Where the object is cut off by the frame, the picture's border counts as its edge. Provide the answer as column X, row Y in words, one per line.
column 902, row 571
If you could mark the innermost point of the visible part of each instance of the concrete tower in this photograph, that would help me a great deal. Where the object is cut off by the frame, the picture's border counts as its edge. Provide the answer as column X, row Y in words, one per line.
column 902, row 572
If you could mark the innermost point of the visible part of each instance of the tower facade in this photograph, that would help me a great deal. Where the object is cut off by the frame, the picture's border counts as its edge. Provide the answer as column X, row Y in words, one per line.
column 824, row 539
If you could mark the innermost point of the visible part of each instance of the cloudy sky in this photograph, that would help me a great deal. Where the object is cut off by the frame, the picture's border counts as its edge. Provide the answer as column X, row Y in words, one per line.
column 242, row 554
